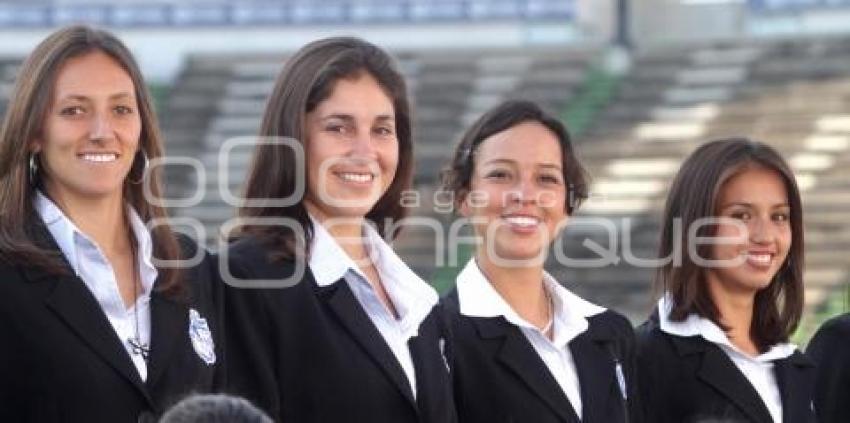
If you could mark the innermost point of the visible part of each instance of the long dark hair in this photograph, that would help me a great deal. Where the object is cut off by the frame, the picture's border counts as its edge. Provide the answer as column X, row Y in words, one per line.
column 308, row 79
column 28, row 107
column 693, row 195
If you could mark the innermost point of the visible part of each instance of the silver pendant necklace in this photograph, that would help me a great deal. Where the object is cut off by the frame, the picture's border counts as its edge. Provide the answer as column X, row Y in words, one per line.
column 137, row 347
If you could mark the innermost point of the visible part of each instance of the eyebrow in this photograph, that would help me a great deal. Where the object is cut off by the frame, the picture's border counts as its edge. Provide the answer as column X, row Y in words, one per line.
column 513, row 162
column 79, row 97
column 350, row 118
column 750, row 205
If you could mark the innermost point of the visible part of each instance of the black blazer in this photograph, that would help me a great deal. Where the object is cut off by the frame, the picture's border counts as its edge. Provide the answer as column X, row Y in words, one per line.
column 310, row 354
column 61, row 361
column 830, row 349
column 689, row 379
column 499, row 377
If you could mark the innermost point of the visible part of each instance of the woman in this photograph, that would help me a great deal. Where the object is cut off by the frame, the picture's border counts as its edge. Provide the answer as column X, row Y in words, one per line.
column 92, row 329
column 717, row 347
column 830, row 349
column 350, row 333
column 524, row 347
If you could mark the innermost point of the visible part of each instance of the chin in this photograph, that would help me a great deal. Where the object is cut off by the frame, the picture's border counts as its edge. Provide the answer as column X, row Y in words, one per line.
column 514, row 254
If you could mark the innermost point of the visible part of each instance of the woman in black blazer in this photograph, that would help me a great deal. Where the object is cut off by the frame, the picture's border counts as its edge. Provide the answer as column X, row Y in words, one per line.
column 524, row 348
column 830, row 350
column 91, row 329
column 716, row 349
column 325, row 322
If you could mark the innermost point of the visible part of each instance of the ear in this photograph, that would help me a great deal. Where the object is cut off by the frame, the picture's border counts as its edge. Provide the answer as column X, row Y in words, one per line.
column 35, row 146
column 462, row 204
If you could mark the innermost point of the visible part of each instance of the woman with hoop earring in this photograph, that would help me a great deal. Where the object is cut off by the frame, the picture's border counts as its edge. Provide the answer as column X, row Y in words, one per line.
column 95, row 326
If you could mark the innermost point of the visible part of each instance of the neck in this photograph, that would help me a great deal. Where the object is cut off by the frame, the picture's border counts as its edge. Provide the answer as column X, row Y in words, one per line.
column 101, row 218
column 346, row 231
column 521, row 287
column 735, row 308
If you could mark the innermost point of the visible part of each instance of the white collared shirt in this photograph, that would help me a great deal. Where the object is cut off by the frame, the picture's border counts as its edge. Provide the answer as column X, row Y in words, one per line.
column 411, row 296
column 758, row 370
column 91, row 266
column 478, row 298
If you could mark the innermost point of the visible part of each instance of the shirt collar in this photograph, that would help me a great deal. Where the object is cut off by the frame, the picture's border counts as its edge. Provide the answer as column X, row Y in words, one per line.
column 67, row 234
column 412, row 297
column 695, row 325
column 478, row 298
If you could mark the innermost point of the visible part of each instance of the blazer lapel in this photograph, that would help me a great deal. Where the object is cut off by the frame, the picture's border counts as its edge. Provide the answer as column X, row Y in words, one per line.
column 595, row 366
column 351, row 315
column 169, row 326
column 519, row 356
column 795, row 377
column 75, row 305
column 718, row 370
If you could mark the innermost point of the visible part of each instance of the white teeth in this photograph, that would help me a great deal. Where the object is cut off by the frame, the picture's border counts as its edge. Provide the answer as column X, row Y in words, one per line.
column 356, row 177
column 522, row 221
column 100, row 158
column 759, row 258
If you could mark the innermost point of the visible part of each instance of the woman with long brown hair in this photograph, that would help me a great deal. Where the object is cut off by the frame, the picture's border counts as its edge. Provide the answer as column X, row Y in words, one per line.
column 94, row 328
column 350, row 333
column 717, row 348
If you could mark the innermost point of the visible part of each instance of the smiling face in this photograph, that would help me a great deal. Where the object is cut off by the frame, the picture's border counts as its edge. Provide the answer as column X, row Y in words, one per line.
column 92, row 128
column 517, row 193
column 352, row 149
column 758, row 199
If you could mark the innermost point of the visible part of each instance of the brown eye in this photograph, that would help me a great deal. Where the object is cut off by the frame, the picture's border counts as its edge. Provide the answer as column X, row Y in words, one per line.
column 498, row 174
column 549, row 179
column 123, row 110
column 384, row 131
column 72, row 111
column 781, row 217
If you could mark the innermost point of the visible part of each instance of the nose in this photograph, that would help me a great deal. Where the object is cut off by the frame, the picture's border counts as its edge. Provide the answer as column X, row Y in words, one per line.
column 762, row 231
column 101, row 127
column 523, row 192
column 363, row 146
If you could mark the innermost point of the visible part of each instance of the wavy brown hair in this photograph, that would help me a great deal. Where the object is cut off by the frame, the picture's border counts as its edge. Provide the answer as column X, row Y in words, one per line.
column 31, row 99
column 307, row 79
column 692, row 196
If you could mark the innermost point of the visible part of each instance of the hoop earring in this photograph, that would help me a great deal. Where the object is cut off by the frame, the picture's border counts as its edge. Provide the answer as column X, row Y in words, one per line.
column 144, row 168
column 33, row 168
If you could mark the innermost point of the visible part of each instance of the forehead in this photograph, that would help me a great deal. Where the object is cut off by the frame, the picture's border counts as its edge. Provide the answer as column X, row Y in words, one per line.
column 361, row 94
column 527, row 143
column 754, row 185
column 92, row 74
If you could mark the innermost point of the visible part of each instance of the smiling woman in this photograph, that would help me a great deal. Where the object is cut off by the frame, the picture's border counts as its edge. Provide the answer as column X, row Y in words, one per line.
column 524, row 347
column 358, row 336
column 87, row 313
column 717, row 346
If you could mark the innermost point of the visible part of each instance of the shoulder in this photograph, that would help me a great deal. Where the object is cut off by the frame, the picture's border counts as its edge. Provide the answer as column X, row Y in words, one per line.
column 614, row 322
column 651, row 339
column 449, row 303
column 831, row 337
column 250, row 257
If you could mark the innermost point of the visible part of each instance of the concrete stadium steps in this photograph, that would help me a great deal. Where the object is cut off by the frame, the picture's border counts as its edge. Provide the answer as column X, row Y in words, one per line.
column 672, row 101
column 8, row 70
column 449, row 90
